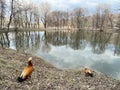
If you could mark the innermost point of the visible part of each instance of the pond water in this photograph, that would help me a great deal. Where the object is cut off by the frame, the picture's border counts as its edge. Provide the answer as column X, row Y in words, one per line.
column 72, row 49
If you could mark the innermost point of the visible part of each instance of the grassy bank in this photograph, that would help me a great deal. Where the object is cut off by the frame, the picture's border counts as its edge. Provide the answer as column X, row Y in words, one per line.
column 46, row 76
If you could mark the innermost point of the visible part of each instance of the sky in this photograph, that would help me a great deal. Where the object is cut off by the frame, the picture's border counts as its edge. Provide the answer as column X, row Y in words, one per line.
column 70, row 4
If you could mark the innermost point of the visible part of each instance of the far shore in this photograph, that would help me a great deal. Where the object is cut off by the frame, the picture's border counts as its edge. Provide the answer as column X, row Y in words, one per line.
column 56, row 29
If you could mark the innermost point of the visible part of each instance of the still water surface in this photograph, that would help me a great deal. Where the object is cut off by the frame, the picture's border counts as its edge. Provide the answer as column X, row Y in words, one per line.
column 96, row 50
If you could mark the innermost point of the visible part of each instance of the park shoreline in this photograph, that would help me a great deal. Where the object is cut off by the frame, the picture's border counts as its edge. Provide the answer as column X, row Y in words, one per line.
column 4, row 30
column 48, row 77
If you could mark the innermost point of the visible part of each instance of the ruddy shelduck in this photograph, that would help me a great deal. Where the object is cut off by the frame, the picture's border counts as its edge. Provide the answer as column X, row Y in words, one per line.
column 88, row 72
column 27, row 71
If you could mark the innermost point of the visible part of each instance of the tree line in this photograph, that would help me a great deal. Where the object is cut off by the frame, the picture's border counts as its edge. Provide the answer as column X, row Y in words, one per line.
column 30, row 15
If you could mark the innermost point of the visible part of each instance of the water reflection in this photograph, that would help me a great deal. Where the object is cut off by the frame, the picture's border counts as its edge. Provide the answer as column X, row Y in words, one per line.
column 117, row 44
column 71, row 49
column 26, row 41
column 75, row 40
column 32, row 41
column 4, row 41
column 29, row 41
column 99, row 41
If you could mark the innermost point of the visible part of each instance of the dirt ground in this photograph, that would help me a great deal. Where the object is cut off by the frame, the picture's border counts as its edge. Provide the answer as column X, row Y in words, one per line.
column 46, row 76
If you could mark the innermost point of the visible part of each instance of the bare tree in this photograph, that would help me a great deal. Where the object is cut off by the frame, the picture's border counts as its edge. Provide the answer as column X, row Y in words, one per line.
column 37, row 17
column 11, row 14
column 118, row 21
column 72, row 24
column 103, row 17
column 64, row 19
column 2, row 12
column 79, row 17
column 44, row 10
column 57, row 19
column 27, row 15
column 17, row 13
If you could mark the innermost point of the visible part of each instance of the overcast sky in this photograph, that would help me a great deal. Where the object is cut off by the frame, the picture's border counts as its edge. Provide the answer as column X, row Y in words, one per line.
column 70, row 4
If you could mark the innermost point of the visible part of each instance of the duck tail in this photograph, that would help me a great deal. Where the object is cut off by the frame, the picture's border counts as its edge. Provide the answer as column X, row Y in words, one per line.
column 19, row 79
column 91, row 74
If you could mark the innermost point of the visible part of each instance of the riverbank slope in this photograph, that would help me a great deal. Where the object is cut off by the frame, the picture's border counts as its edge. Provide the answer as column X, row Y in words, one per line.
column 46, row 76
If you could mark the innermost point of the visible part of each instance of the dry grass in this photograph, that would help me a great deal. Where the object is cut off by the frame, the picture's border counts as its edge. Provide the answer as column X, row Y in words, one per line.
column 47, row 77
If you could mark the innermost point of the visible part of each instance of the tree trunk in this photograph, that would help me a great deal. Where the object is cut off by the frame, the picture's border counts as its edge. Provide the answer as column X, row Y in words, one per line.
column 10, row 16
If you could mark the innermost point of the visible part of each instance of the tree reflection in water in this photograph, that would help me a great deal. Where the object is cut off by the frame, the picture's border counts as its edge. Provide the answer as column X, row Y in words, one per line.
column 4, row 41
column 77, row 40
column 99, row 41
column 26, row 41
column 117, row 44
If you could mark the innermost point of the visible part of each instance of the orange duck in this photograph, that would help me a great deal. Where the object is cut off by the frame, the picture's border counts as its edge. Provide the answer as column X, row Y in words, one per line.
column 27, row 71
column 88, row 72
